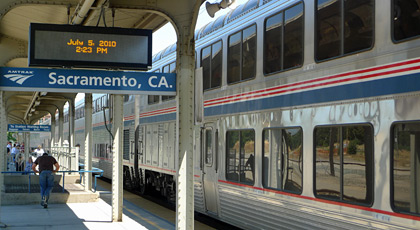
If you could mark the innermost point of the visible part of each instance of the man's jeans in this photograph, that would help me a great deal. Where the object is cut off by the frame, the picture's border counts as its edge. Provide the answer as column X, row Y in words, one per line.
column 46, row 181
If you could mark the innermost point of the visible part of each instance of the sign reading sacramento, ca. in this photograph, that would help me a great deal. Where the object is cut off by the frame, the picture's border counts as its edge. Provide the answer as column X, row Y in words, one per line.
column 86, row 81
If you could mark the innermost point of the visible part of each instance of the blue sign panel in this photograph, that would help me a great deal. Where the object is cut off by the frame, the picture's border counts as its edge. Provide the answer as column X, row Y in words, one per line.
column 87, row 81
column 29, row 128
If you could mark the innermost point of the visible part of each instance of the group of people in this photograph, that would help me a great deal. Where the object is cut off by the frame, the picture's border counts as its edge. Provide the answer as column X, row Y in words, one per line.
column 15, row 156
column 47, row 165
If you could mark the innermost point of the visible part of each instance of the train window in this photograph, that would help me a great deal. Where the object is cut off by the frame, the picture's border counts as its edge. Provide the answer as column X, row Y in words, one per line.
column 242, row 55
column 98, row 105
column 208, row 151
column 126, row 144
column 406, row 19
column 171, row 68
column 282, row 162
column 240, row 156
column 105, row 101
column 152, row 99
column 405, row 167
column 344, row 163
column 283, row 46
column 211, row 61
column 343, row 27
column 127, row 98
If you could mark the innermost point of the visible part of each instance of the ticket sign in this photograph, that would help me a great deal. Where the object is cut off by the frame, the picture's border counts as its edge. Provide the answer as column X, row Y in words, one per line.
column 28, row 128
column 85, row 46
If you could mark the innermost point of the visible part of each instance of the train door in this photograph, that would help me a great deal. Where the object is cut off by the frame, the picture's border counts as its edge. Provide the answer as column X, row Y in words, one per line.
column 166, row 147
column 140, row 145
column 151, row 144
column 209, row 164
column 169, row 146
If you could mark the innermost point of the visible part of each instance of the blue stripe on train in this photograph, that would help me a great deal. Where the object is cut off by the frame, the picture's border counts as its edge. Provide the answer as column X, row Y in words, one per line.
column 158, row 118
column 381, row 87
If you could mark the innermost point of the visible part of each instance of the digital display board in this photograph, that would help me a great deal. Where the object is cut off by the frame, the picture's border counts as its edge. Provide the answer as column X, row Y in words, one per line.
column 85, row 46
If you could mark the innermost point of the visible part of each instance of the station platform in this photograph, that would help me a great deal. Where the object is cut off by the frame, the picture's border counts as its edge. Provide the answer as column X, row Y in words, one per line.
column 138, row 213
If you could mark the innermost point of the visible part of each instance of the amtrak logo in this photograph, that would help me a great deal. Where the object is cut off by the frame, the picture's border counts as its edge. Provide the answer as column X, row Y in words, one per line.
column 18, row 76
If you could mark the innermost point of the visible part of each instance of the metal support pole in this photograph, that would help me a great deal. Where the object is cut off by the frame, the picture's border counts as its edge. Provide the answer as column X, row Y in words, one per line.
column 3, row 141
column 88, row 141
column 72, row 165
column 60, row 126
column 185, row 125
column 117, row 169
column 136, row 137
column 52, row 131
column 72, row 117
column 27, row 146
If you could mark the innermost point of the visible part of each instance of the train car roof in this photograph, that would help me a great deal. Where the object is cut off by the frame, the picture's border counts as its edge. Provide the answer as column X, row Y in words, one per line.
column 222, row 20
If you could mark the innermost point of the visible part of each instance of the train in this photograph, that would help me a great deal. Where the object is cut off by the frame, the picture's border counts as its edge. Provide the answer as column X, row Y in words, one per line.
column 311, row 118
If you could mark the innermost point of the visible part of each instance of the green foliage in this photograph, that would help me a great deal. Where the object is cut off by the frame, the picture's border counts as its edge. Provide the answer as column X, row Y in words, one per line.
column 10, row 137
column 352, row 149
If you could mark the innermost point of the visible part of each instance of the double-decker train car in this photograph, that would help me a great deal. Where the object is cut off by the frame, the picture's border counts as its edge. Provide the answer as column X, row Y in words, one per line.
column 311, row 118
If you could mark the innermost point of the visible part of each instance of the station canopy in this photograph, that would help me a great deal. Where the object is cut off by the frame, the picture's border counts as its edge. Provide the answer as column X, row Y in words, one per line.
column 15, row 20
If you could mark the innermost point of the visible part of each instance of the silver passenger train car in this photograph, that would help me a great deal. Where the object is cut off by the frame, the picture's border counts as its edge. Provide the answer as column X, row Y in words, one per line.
column 311, row 118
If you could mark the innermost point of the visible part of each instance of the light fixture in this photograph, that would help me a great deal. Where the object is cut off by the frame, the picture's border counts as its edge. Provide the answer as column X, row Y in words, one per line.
column 32, row 110
column 212, row 8
column 43, row 93
column 37, row 102
column 29, row 114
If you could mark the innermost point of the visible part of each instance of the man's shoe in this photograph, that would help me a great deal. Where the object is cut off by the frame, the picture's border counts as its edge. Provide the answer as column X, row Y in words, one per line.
column 43, row 202
column 45, row 205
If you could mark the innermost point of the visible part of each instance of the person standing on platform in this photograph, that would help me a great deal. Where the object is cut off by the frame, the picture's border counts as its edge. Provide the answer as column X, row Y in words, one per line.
column 46, row 178
column 39, row 151
column 9, row 145
column 14, row 152
column 29, row 163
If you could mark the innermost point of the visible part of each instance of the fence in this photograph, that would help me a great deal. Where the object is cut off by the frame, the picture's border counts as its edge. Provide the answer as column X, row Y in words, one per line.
column 98, row 173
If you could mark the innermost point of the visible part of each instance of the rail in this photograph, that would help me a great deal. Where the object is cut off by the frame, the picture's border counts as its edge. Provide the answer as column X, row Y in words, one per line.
column 67, row 157
column 94, row 170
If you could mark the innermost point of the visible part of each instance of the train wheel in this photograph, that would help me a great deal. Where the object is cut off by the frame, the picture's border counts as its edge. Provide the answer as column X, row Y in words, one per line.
column 127, row 179
column 142, row 182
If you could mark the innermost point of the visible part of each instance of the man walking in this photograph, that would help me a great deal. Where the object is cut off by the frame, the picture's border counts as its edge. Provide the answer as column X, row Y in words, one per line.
column 46, row 178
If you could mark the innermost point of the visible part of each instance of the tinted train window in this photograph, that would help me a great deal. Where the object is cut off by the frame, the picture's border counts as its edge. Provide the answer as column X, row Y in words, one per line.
column 283, row 45
column 208, row 147
column 169, row 69
column 153, row 99
column 344, row 163
column 405, row 167
column 240, row 156
column 126, row 144
column 211, row 61
column 406, row 19
column 282, row 162
column 343, row 27
column 242, row 55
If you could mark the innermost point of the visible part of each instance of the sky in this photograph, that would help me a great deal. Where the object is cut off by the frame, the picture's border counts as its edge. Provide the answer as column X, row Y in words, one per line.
column 166, row 35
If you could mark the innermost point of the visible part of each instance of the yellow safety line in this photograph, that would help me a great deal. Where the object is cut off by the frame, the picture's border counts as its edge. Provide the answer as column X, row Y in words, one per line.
column 145, row 219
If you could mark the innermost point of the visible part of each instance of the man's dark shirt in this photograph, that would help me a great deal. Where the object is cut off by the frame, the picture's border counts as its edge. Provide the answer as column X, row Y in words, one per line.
column 45, row 162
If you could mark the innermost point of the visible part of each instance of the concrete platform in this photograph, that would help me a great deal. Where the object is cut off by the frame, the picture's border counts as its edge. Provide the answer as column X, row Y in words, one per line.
column 95, row 215
column 138, row 213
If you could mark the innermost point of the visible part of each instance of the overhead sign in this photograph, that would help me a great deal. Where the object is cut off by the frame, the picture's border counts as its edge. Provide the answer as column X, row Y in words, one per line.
column 85, row 46
column 29, row 128
column 87, row 81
